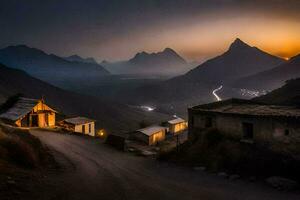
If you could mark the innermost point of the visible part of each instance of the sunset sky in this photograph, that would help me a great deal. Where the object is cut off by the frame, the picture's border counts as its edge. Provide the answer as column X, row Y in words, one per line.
column 117, row 29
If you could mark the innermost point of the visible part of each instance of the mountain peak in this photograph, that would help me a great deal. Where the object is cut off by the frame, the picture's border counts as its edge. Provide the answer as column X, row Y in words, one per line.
column 78, row 58
column 24, row 49
column 238, row 44
column 75, row 56
column 21, row 46
column 168, row 50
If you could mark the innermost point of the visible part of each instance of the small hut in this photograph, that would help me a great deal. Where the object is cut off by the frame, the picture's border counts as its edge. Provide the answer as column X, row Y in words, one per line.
column 151, row 135
column 176, row 126
column 30, row 113
column 80, row 125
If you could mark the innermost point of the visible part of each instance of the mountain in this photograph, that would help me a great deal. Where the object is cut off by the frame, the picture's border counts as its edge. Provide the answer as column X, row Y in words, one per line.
column 167, row 62
column 196, row 86
column 238, row 61
column 289, row 94
column 50, row 68
column 76, row 58
column 273, row 78
column 114, row 117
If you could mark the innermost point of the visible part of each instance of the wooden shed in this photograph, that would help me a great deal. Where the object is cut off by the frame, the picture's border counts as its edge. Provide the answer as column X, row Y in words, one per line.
column 177, row 125
column 80, row 125
column 151, row 135
column 30, row 113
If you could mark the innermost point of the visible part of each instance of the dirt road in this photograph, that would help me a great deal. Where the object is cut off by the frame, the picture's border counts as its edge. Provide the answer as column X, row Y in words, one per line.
column 96, row 171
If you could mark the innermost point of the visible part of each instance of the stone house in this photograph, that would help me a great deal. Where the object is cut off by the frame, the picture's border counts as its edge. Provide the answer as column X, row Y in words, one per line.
column 247, row 121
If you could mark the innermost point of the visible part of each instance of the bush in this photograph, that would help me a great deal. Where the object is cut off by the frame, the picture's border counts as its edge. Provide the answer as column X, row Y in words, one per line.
column 220, row 153
column 20, row 148
column 19, row 152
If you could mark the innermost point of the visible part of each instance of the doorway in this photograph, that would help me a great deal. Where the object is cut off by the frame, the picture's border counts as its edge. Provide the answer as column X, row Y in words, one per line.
column 83, row 129
column 34, row 120
column 208, row 122
column 247, row 130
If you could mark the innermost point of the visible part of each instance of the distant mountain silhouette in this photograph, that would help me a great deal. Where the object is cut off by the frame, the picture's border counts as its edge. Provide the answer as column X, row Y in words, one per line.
column 289, row 94
column 196, row 86
column 76, row 58
column 238, row 61
column 50, row 68
column 167, row 62
column 273, row 78
column 109, row 115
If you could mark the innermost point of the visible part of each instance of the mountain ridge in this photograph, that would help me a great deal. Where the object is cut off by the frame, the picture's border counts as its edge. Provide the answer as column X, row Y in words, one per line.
column 196, row 86
column 166, row 62
column 77, row 58
column 272, row 78
column 48, row 67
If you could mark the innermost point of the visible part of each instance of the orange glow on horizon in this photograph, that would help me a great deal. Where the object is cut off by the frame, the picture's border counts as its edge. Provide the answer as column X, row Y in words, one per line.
column 202, row 40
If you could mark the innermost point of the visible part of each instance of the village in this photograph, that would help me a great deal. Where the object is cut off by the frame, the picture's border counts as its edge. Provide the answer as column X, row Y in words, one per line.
column 146, row 100
column 35, row 113
column 237, row 122
column 245, row 120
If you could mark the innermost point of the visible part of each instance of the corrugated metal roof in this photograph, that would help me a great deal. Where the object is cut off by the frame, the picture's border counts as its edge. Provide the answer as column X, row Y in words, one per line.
column 22, row 107
column 151, row 130
column 176, row 121
column 79, row 120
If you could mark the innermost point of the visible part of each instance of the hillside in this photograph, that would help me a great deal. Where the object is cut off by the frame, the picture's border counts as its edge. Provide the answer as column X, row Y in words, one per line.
column 273, row 78
column 196, row 86
column 110, row 115
column 167, row 62
column 48, row 67
column 289, row 94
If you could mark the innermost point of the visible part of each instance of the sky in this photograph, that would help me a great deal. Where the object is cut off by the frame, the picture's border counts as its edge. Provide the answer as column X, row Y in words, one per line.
column 117, row 29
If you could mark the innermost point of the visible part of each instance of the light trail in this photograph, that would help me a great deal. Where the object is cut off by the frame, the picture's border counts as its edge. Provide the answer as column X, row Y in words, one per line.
column 215, row 93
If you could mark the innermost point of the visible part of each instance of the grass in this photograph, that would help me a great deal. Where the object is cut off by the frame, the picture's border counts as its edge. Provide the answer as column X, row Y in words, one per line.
column 19, row 148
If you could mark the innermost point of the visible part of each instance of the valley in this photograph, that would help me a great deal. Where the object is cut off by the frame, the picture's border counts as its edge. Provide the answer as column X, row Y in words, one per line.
column 145, row 100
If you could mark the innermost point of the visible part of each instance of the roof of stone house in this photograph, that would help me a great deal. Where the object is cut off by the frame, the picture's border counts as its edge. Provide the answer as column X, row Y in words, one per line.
column 79, row 120
column 248, row 107
column 21, row 108
column 176, row 121
column 151, row 130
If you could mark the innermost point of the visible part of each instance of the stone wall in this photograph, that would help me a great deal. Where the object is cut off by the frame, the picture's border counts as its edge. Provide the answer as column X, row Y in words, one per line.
column 269, row 130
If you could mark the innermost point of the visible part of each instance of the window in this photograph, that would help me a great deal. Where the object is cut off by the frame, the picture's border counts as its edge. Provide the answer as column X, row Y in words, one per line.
column 247, row 131
column 90, row 128
column 208, row 122
column 286, row 132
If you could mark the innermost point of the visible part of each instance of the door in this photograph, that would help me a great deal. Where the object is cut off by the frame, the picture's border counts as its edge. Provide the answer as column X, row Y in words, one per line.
column 34, row 120
column 83, row 129
column 46, row 119
column 247, row 131
column 208, row 122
